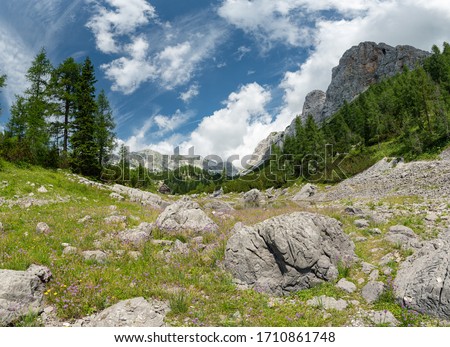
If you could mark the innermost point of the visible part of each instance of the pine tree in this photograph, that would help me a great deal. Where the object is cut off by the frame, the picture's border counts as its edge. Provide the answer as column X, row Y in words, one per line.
column 85, row 149
column 63, row 89
column 105, row 125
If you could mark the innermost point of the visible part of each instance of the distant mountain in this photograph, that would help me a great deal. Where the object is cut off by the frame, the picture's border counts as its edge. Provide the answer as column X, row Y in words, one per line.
column 157, row 162
column 360, row 67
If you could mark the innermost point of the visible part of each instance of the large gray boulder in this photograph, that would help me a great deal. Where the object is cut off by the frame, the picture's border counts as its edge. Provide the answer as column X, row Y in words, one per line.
column 136, row 312
column 185, row 215
column 423, row 282
column 21, row 292
column 288, row 253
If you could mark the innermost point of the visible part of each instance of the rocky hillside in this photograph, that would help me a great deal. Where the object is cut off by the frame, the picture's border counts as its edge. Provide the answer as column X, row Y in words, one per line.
column 360, row 67
column 370, row 251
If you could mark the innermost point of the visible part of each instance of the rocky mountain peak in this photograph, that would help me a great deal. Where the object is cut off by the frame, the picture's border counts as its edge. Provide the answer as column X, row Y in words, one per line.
column 360, row 67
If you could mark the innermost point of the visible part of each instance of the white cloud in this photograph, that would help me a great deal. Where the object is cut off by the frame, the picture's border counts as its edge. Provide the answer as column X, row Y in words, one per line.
column 242, row 51
column 169, row 55
column 156, row 127
column 108, row 25
column 233, row 129
column 15, row 59
column 191, row 93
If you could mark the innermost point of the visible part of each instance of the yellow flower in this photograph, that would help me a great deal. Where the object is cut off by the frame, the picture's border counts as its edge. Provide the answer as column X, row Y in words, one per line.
column 55, row 293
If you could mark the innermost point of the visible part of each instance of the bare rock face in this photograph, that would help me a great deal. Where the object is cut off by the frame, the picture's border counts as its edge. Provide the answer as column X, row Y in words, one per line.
column 364, row 65
column 288, row 253
column 21, row 292
column 262, row 150
column 185, row 215
column 423, row 282
column 314, row 103
column 136, row 312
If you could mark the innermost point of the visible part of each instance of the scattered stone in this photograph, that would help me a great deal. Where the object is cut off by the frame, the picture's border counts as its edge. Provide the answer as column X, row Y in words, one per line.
column 116, row 196
column 218, row 193
column 374, row 275
column 2, row 229
column 164, row 189
column 115, row 219
column 372, row 291
column 361, row 223
column 367, row 268
column 136, row 312
column 345, row 285
column 42, row 189
column 374, row 231
column 387, row 271
column 354, row 211
column 22, row 292
column 360, row 239
column 185, row 215
column 137, row 236
column 43, row 228
column 218, row 205
column 70, row 250
column 386, row 259
column 85, row 219
column 134, row 255
column 402, row 235
column 385, row 318
column 253, row 198
column 431, row 217
column 307, row 191
column 162, row 242
column 288, row 253
column 97, row 256
column 328, row 303
column 179, row 247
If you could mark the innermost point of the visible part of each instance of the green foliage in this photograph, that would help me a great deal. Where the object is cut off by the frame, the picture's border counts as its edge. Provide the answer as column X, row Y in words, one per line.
column 85, row 148
column 179, row 302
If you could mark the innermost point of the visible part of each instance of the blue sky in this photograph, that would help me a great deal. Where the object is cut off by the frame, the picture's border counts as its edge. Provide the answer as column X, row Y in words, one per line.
column 219, row 75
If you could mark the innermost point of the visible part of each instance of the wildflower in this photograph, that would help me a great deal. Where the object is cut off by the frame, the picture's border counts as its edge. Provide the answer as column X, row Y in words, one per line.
column 55, row 293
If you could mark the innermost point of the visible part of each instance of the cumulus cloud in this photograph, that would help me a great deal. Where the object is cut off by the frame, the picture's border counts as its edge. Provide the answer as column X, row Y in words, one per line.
column 159, row 126
column 191, row 93
column 231, row 129
column 244, row 119
column 110, row 24
column 170, row 60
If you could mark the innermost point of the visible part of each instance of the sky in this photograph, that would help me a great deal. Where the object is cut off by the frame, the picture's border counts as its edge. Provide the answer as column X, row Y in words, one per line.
column 216, row 75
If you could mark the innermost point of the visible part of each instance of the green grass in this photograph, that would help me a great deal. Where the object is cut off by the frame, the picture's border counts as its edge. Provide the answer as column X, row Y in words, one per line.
column 200, row 292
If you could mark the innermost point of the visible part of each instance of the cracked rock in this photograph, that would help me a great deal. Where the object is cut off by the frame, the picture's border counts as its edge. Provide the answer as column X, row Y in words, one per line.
column 423, row 282
column 288, row 253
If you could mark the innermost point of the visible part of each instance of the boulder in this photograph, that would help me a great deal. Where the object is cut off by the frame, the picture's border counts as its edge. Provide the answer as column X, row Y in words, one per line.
column 422, row 282
column 136, row 312
column 42, row 189
column 185, row 215
column 307, row 191
column 402, row 235
column 252, row 197
column 22, row 292
column 137, row 236
column 361, row 223
column 143, row 197
column 345, row 285
column 328, row 303
column 218, row 205
column 42, row 228
column 372, row 291
column 115, row 219
column 288, row 253
column 97, row 256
